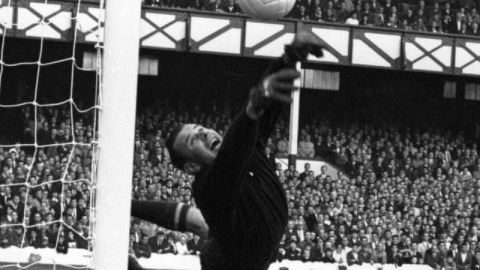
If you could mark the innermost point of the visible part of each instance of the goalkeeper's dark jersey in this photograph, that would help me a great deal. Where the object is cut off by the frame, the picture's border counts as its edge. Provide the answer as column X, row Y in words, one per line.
column 241, row 198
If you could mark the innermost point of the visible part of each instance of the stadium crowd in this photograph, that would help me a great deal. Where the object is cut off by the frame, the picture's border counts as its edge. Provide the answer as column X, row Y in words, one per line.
column 45, row 191
column 437, row 16
column 401, row 195
column 406, row 196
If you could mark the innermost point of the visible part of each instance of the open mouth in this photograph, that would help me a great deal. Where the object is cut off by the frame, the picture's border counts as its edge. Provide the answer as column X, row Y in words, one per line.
column 214, row 144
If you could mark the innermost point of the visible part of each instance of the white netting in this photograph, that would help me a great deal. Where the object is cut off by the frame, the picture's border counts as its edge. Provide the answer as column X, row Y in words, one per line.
column 48, row 139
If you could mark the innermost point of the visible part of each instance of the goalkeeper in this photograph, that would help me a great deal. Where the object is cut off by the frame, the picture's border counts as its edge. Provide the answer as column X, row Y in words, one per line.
column 235, row 187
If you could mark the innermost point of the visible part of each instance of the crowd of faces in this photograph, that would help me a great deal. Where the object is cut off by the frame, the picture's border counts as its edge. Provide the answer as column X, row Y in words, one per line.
column 45, row 189
column 401, row 195
column 452, row 17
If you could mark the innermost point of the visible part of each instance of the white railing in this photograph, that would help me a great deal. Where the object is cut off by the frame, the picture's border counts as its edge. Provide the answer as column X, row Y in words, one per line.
column 80, row 257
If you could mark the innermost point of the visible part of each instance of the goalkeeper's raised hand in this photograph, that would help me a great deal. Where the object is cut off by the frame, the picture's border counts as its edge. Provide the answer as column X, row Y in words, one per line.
column 278, row 84
column 275, row 87
column 304, row 43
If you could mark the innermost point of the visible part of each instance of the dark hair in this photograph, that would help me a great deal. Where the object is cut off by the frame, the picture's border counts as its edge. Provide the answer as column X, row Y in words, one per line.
column 177, row 159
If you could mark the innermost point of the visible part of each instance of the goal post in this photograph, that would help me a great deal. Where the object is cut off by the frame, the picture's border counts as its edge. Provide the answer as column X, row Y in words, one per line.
column 294, row 118
column 118, row 94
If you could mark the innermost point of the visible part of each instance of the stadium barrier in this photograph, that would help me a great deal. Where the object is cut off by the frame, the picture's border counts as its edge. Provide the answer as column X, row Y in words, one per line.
column 188, row 262
column 79, row 258
column 230, row 34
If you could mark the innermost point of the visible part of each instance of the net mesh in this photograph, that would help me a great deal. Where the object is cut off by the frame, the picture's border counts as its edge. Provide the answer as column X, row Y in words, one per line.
column 48, row 143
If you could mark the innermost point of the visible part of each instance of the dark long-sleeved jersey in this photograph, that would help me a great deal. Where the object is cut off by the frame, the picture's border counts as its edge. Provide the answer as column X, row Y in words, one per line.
column 240, row 195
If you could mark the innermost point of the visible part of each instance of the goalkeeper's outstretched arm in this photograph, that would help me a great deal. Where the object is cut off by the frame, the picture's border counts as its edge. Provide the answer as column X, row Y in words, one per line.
column 171, row 215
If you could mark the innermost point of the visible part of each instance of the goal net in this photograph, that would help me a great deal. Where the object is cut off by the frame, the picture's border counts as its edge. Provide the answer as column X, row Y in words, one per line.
column 50, row 91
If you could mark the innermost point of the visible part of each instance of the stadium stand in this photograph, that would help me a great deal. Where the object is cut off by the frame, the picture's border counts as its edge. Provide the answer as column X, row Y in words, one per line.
column 411, row 197
column 43, row 205
column 440, row 16
column 406, row 196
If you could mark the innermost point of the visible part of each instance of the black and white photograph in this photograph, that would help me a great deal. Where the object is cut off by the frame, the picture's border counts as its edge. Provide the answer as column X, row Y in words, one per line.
column 239, row 135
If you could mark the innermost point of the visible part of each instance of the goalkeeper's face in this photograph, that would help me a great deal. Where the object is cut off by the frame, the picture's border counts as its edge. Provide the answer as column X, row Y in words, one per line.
column 199, row 145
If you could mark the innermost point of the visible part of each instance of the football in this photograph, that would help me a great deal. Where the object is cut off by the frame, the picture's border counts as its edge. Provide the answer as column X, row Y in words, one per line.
column 266, row 9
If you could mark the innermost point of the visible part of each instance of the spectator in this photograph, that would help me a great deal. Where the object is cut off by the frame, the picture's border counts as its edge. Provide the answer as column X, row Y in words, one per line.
column 300, row 232
column 330, row 15
column 311, row 219
column 379, row 255
column 394, row 256
column 181, row 245
column 392, row 22
column 158, row 242
column 375, row 6
column 424, row 245
column 232, row 7
column 365, row 21
column 435, row 27
column 290, row 230
column 415, row 257
column 317, row 15
column 33, row 239
column 328, row 257
column 463, row 29
column 340, row 254
column 353, row 257
column 379, row 16
column 450, row 263
column 309, row 236
column 71, row 239
column 435, row 11
column 421, row 15
column 318, row 251
column 365, row 255
column 447, row 10
column 343, row 12
column 393, row 14
column 307, row 255
column 448, row 25
column 353, row 20
column 464, row 259
column 419, row 25
column 282, row 146
column 410, row 17
column 433, row 258
column 453, row 250
column 16, row 236
column 45, row 243
column 195, row 245
column 168, row 246
column 302, row 13
column 367, row 12
column 292, row 252
column 456, row 26
column 476, row 260
column 210, row 5
column 311, row 6
column 62, row 246
column 5, row 236
column 349, row 5
column 142, row 249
